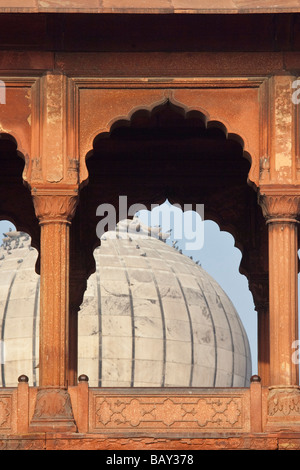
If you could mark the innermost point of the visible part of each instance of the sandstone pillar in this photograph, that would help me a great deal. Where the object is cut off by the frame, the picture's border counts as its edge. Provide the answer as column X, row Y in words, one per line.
column 53, row 407
column 283, row 301
column 281, row 211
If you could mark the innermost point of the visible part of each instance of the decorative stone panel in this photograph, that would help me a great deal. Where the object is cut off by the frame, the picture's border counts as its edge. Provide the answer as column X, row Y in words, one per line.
column 283, row 408
column 5, row 412
column 191, row 411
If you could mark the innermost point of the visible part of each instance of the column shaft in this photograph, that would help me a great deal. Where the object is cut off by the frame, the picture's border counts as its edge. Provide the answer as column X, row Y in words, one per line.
column 55, row 211
column 53, row 409
column 54, row 303
column 283, row 270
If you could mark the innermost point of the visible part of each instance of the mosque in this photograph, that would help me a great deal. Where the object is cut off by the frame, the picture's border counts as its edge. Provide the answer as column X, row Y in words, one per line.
column 123, row 342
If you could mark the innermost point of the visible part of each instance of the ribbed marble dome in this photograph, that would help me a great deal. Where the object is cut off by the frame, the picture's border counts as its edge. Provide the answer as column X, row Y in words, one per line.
column 151, row 317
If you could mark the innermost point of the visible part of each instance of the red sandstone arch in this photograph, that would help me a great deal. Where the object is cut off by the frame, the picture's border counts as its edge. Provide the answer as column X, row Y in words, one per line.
column 209, row 122
column 250, row 242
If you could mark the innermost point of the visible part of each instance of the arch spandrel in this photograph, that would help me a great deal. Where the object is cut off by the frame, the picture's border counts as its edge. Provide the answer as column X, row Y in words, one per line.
column 16, row 116
column 236, row 110
column 100, row 108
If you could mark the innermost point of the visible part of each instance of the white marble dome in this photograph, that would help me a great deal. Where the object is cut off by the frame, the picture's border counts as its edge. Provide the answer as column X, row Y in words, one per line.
column 151, row 317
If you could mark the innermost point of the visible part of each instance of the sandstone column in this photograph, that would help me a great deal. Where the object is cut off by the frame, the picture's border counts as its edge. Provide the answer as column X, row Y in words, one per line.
column 53, row 408
column 281, row 212
column 279, row 197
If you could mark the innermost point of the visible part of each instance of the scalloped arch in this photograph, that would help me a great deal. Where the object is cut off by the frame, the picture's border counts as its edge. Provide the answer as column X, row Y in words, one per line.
column 187, row 112
column 13, row 137
column 7, row 215
column 21, row 152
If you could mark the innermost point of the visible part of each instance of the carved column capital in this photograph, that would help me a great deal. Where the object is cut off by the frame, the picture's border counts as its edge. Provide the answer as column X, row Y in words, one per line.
column 55, row 207
column 282, row 207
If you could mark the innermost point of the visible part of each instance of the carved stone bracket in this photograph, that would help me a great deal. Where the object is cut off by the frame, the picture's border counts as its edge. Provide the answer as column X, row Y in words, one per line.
column 259, row 286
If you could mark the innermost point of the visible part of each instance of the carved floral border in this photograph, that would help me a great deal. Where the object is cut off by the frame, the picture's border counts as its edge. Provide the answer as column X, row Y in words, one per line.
column 167, row 412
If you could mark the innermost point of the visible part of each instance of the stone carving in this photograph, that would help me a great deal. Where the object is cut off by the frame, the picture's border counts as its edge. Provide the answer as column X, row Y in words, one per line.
column 285, row 402
column 53, row 411
column 284, row 206
column 53, row 403
column 259, row 286
column 169, row 413
column 36, row 170
column 264, row 167
column 5, row 412
column 55, row 207
column 73, row 170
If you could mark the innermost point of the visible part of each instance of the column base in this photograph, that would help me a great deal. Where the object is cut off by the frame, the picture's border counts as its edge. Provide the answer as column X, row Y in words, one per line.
column 53, row 412
column 283, row 412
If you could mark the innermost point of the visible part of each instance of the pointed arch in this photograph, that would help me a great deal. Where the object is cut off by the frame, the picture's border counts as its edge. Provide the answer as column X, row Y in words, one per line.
column 199, row 120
